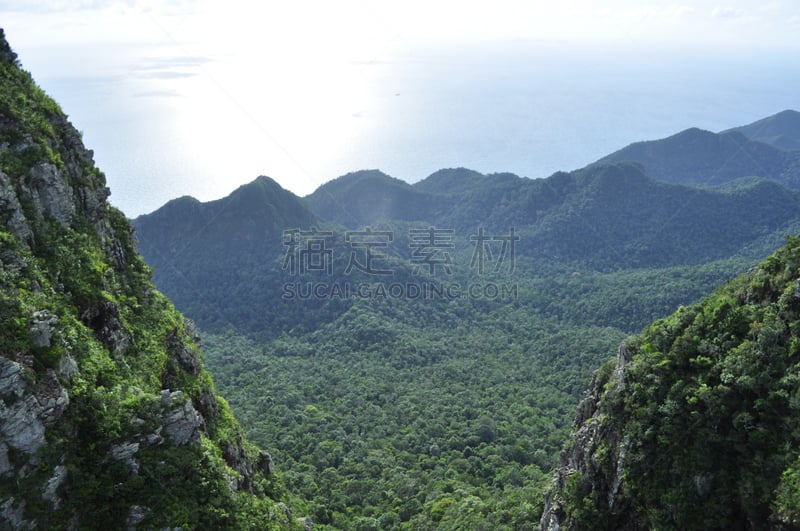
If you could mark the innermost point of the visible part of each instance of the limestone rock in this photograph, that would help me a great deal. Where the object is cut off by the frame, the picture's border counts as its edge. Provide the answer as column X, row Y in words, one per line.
column 11, row 210
column 52, row 397
column 104, row 319
column 67, row 367
column 50, row 192
column 12, row 383
column 180, row 351
column 14, row 516
column 42, row 328
column 22, row 422
column 182, row 422
column 579, row 456
column 21, row 425
column 135, row 517
column 206, row 403
column 265, row 463
column 50, row 492
column 124, row 453
column 5, row 464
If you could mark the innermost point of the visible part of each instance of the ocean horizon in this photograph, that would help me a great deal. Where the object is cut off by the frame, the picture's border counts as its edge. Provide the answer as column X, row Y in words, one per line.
column 176, row 126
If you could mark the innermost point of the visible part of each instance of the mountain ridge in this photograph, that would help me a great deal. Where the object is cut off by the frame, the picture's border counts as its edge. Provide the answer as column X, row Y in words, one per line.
column 702, row 158
column 603, row 217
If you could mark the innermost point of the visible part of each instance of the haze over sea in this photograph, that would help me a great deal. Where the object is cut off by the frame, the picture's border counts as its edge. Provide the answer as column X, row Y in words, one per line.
column 167, row 120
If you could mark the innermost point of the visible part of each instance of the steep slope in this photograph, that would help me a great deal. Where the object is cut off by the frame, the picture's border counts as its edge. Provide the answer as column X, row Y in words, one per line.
column 702, row 158
column 695, row 426
column 108, row 418
column 780, row 130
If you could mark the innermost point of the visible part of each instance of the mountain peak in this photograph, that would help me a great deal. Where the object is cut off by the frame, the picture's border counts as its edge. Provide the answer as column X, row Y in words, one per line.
column 263, row 192
column 450, row 180
column 373, row 177
column 366, row 197
column 781, row 130
column 255, row 212
column 263, row 183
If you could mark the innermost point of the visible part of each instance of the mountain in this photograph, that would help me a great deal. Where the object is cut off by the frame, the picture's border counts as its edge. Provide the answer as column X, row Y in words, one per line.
column 254, row 213
column 695, row 425
column 701, row 158
column 366, row 197
column 220, row 261
column 598, row 215
column 108, row 418
column 780, row 130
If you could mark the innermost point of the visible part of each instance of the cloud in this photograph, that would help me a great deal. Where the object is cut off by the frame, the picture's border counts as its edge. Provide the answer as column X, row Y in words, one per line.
column 60, row 6
column 166, row 74
column 680, row 10
column 727, row 12
column 158, row 94
column 167, row 68
column 155, row 64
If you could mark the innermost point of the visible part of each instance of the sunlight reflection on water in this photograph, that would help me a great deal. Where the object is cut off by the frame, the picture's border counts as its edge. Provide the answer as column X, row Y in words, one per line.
column 169, row 127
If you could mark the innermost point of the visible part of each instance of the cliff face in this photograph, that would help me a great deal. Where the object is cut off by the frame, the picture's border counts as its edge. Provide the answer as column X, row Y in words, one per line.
column 696, row 425
column 107, row 417
column 595, row 456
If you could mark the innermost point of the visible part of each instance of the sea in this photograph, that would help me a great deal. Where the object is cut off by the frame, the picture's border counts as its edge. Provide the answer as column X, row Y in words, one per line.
column 162, row 127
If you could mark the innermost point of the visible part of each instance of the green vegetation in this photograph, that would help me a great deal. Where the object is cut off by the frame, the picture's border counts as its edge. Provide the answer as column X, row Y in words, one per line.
column 707, row 411
column 438, row 405
column 385, row 422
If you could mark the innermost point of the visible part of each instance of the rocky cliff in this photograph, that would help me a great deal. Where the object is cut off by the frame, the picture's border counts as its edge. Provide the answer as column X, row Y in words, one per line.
column 107, row 418
column 600, row 477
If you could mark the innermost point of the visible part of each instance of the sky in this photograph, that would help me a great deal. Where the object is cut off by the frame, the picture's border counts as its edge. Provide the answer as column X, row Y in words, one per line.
column 197, row 97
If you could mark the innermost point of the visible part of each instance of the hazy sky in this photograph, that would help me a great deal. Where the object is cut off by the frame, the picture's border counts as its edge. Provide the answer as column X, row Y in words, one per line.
column 295, row 89
column 350, row 29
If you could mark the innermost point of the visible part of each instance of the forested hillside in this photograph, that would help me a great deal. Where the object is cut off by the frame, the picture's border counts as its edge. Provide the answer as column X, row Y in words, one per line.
column 695, row 426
